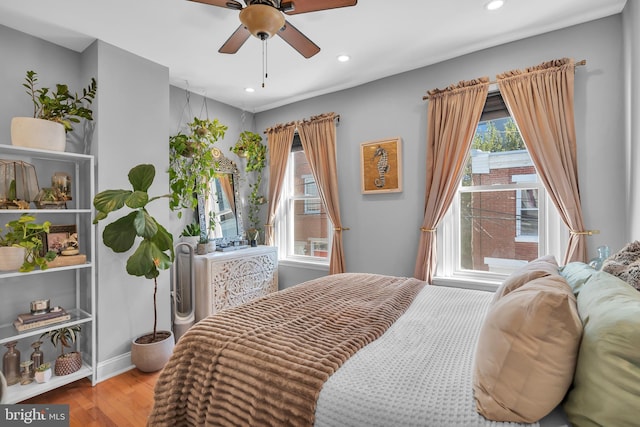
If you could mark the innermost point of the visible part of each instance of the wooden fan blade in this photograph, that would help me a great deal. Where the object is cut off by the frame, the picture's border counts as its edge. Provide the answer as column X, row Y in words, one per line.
column 229, row 4
column 304, row 6
column 235, row 42
column 298, row 41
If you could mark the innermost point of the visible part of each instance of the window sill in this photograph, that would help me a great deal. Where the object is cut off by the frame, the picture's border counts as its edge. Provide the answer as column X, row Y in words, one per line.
column 465, row 283
column 309, row 265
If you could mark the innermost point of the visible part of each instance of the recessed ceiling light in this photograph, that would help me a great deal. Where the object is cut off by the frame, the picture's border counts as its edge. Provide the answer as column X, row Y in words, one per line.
column 343, row 58
column 494, row 4
column 249, row 89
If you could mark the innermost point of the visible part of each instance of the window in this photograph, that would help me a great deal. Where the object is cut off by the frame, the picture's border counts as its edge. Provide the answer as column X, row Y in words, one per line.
column 499, row 219
column 303, row 229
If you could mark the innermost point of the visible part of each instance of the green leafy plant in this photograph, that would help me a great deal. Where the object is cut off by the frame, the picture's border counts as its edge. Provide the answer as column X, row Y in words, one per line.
column 63, row 337
column 25, row 233
column 43, row 367
column 60, row 106
column 191, row 230
column 249, row 145
column 192, row 164
column 155, row 249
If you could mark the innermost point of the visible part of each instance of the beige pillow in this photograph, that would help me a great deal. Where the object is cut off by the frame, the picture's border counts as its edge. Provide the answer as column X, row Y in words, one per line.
column 541, row 267
column 526, row 352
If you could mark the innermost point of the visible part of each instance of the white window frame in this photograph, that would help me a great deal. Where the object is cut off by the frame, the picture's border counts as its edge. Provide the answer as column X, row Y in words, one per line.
column 527, row 178
column 553, row 236
column 284, row 227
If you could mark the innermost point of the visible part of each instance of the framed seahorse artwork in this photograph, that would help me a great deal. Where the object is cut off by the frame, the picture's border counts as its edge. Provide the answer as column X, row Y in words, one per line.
column 381, row 166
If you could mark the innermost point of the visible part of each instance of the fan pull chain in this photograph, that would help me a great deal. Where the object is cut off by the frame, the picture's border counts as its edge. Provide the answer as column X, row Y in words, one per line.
column 264, row 60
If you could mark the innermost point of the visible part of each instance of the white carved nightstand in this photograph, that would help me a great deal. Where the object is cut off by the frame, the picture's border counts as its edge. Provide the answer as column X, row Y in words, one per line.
column 226, row 279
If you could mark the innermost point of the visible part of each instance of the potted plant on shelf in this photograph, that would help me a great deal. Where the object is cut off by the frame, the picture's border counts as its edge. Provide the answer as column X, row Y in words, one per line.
column 192, row 164
column 43, row 373
column 21, row 246
column 54, row 111
column 249, row 146
column 154, row 252
column 66, row 363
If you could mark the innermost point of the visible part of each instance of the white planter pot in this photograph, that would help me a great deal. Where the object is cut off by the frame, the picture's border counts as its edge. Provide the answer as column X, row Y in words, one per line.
column 43, row 376
column 191, row 240
column 11, row 258
column 38, row 133
column 153, row 356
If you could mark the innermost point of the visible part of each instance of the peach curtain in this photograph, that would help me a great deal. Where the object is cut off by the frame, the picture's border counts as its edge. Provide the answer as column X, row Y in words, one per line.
column 279, row 141
column 318, row 138
column 540, row 100
column 452, row 117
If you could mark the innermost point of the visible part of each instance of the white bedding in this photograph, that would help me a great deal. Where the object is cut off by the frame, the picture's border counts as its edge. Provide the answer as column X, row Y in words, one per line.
column 423, row 367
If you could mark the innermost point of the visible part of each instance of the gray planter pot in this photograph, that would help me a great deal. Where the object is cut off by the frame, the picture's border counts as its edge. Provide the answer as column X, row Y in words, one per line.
column 151, row 357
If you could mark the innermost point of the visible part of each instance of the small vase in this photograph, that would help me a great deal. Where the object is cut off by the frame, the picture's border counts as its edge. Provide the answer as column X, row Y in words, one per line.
column 37, row 357
column 11, row 363
column 603, row 254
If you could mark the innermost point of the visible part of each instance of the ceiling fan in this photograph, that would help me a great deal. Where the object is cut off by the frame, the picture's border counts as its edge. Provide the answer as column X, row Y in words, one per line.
column 265, row 18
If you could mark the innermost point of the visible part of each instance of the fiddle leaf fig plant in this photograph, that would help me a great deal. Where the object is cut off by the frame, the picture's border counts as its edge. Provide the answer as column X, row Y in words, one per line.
column 192, row 164
column 60, row 105
column 154, row 251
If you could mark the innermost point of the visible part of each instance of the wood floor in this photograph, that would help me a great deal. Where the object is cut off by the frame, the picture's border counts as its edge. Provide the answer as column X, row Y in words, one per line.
column 121, row 401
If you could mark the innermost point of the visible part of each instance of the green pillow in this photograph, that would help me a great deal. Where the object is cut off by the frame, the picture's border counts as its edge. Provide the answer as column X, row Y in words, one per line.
column 606, row 384
column 576, row 274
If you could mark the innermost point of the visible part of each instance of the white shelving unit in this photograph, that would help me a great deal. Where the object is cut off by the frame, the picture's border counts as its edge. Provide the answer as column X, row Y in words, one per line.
column 71, row 287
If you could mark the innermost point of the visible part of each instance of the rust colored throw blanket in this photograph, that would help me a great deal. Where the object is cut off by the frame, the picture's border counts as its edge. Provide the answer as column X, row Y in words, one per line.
column 265, row 362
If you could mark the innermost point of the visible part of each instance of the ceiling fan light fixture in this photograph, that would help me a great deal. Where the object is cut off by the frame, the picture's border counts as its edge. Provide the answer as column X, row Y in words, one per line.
column 262, row 20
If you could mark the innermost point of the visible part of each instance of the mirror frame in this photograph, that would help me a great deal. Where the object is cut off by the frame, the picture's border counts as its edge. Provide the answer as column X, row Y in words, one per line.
column 223, row 165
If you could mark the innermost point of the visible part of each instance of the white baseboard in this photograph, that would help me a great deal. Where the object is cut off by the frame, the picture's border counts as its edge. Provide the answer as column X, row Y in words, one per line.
column 114, row 366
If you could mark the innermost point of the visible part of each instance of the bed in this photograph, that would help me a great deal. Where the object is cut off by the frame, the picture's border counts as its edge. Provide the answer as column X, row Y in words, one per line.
column 360, row 349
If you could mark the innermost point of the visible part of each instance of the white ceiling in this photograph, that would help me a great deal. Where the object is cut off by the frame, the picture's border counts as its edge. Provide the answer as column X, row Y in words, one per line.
column 383, row 37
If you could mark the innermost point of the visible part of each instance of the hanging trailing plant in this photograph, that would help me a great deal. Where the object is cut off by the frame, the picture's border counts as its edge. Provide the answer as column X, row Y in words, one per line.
column 192, row 164
column 249, row 145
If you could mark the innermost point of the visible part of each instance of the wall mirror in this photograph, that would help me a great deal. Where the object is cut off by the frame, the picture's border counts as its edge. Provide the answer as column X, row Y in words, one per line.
column 223, row 201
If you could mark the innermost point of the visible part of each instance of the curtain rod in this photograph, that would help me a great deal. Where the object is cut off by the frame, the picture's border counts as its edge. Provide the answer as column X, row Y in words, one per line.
column 577, row 64
column 336, row 117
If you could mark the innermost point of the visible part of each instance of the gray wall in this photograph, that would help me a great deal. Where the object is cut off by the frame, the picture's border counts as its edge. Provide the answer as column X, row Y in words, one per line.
column 385, row 228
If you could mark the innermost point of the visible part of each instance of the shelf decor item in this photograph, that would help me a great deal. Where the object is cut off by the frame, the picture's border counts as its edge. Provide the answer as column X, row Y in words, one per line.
column 23, row 233
column 66, row 363
column 11, row 363
column 43, row 373
column 26, row 376
column 154, row 252
column 53, row 113
column 18, row 184
column 37, row 357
